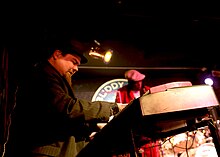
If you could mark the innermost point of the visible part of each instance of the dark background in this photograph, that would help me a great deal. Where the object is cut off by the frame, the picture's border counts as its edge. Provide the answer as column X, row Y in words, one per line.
column 157, row 34
column 161, row 39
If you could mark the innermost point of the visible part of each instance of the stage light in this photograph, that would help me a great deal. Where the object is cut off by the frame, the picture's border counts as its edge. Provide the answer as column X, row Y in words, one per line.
column 208, row 81
column 99, row 52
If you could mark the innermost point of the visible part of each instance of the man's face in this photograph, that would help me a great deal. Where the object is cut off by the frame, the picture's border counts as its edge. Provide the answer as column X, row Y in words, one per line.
column 67, row 64
column 136, row 85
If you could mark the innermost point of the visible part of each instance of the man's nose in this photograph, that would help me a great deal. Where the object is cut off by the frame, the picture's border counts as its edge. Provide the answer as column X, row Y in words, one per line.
column 75, row 67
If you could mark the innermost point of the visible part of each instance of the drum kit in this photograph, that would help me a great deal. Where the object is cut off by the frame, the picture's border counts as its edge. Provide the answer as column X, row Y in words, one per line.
column 196, row 143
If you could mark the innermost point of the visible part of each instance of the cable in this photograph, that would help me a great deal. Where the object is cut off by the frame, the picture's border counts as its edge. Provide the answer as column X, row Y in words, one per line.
column 9, row 124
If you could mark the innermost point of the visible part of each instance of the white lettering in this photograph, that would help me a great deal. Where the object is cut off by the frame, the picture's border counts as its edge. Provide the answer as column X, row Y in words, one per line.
column 114, row 86
column 104, row 92
column 103, row 95
column 108, row 88
column 121, row 84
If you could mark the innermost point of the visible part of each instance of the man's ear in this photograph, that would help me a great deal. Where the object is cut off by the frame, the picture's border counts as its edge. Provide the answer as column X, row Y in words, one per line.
column 57, row 54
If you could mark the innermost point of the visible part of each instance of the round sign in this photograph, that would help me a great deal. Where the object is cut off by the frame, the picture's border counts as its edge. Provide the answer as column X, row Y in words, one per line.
column 107, row 91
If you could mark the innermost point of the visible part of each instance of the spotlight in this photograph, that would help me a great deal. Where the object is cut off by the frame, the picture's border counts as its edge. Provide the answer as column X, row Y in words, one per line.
column 99, row 52
column 208, row 81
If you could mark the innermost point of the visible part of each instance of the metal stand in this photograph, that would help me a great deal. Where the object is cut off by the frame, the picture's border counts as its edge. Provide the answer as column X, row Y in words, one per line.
column 133, row 152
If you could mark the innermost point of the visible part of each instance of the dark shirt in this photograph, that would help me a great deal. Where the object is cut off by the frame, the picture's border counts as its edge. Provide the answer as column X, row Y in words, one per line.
column 47, row 112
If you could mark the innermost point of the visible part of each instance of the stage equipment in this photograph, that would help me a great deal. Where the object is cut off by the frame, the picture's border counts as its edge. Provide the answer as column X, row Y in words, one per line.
column 98, row 52
column 164, row 111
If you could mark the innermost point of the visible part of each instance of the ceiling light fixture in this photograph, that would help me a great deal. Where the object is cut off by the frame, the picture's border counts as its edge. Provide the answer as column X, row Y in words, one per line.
column 99, row 52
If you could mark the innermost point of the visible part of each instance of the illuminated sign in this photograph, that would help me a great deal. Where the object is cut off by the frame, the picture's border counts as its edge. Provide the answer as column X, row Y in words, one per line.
column 107, row 91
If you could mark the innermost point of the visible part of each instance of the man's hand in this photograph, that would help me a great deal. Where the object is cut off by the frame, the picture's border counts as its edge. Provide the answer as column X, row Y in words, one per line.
column 91, row 136
column 101, row 125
